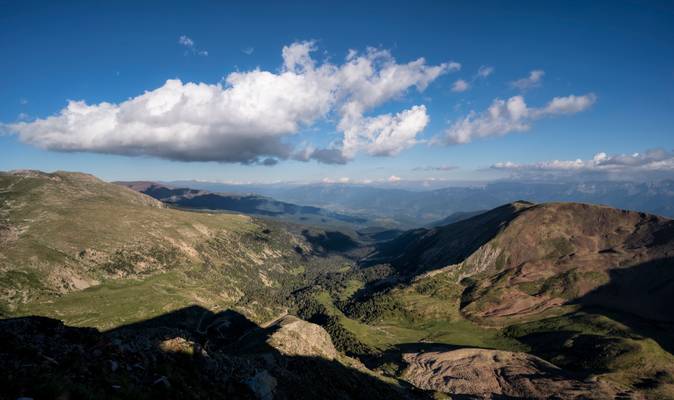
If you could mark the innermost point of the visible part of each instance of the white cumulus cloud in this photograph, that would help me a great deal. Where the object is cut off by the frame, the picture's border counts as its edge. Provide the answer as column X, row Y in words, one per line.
column 249, row 117
column 512, row 115
column 383, row 135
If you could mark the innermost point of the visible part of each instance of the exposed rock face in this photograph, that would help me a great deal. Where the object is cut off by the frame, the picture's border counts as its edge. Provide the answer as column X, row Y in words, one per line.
column 525, row 259
column 294, row 337
column 181, row 345
column 493, row 373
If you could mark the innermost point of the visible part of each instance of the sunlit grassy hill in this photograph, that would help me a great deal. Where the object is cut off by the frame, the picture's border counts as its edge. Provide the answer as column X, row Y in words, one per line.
column 98, row 254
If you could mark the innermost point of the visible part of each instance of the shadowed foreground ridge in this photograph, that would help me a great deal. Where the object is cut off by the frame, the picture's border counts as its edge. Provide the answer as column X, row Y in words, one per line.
column 193, row 353
column 190, row 353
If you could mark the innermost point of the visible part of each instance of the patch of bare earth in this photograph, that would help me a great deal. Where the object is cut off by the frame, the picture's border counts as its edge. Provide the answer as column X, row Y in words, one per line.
column 494, row 374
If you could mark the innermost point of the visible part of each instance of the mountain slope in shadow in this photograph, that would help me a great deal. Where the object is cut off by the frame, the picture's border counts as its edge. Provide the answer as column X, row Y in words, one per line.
column 190, row 353
column 425, row 249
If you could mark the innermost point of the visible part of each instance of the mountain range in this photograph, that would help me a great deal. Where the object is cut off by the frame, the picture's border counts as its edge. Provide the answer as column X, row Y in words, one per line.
column 407, row 208
column 250, row 204
column 107, row 292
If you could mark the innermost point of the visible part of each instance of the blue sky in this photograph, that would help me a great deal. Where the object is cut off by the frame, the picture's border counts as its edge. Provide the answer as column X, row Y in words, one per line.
column 616, row 58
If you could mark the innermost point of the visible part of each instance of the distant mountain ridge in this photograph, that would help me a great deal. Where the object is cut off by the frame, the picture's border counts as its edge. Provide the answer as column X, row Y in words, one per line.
column 455, row 217
column 410, row 208
column 251, row 204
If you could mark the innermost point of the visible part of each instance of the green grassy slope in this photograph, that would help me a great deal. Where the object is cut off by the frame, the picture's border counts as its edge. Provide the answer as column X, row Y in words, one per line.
column 97, row 254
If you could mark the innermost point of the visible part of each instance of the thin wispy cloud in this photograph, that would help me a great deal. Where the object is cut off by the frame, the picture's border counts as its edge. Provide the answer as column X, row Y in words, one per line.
column 343, row 179
column 484, row 71
column 453, row 66
column 185, row 41
column 460, row 85
column 248, row 50
column 654, row 161
column 190, row 47
column 442, row 168
column 534, row 80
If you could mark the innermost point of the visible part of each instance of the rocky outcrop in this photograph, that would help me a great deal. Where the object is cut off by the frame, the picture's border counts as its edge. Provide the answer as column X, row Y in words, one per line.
column 494, row 374
column 292, row 336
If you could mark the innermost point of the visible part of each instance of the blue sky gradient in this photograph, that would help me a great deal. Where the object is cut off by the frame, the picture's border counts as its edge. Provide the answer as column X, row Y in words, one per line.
column 622, row 52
